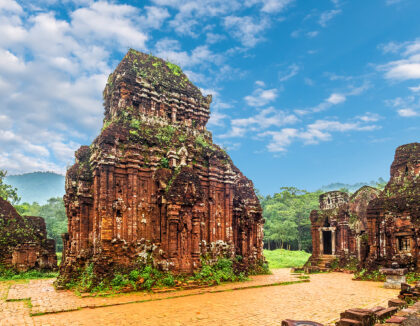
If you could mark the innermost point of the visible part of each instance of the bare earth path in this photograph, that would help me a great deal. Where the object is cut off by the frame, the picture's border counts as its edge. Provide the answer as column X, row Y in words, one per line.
column 320, row 300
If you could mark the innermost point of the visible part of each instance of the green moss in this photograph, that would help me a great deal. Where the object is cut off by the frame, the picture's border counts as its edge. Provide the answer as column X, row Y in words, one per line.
column 176, row 70
column 201, row 141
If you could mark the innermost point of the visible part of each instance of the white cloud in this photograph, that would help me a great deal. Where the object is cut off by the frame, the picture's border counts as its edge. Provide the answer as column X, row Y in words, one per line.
column 404, row 71
column 52, row 73
column 415, row 89
column 216, row 119
column 327, row 16
column 246, row 29
column 408, row 66
column 261, row 97
column 263, row 120
column 291, row 72
column 320, row 130
column 336, row 98
column 155, row 16
column 274, row 6
column 104, row 21
column 408, row 106
column 369, row 117
column 10, row 6
column 212, row 38
column 312, row 34
column 408, row 112
column 171, row 50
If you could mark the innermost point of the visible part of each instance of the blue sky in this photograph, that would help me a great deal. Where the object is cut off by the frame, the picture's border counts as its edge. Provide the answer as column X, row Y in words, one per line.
column 304, row 92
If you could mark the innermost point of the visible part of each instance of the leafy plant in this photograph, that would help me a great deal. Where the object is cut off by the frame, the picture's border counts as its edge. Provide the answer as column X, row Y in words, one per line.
column 176, row 70
column 7, row 192
column 200, row 140
column 164, row 162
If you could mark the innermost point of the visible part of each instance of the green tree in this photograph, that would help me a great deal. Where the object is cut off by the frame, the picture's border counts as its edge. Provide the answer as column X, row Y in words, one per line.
column 7, row 192
column 287, row 218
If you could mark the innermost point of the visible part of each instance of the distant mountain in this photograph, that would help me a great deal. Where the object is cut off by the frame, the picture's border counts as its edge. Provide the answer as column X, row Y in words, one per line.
column 37, row 186
column 380, row 183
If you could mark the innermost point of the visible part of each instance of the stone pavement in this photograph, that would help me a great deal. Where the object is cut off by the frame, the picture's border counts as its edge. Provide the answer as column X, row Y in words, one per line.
column 320, row 300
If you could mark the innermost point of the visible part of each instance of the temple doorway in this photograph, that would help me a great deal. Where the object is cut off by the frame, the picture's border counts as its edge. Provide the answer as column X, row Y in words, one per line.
column 327, row 242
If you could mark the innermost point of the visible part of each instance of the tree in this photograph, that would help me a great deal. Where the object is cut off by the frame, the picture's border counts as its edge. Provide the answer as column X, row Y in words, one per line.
column 7, row 192
column 287, row 218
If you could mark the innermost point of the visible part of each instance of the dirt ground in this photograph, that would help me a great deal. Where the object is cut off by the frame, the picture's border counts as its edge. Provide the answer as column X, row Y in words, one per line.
column 261, row 301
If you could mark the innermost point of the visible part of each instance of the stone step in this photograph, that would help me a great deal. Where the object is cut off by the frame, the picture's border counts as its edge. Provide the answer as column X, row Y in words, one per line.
column 348, row 322
column 386, row 313
column 364, row 316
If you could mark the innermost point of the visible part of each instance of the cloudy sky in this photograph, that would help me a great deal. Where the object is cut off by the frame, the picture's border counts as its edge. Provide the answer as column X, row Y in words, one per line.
column 304, row 92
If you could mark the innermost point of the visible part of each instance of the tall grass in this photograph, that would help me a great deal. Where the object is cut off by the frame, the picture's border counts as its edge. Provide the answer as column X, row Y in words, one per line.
column 282, row 258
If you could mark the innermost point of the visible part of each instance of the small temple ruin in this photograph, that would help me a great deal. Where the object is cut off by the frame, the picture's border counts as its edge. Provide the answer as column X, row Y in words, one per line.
column 153, row 186
column 339, row 227
column 23, row 241
column 394, row 217
column 375, row 228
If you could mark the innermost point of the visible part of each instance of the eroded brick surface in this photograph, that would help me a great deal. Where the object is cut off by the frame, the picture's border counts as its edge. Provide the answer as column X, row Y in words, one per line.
column 153, row 186
column 376, row 228
column 23, row 241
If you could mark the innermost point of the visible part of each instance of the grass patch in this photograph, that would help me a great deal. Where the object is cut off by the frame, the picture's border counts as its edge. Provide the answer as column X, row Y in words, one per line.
column 59, row 258
column 9, row 274
column 282, row 258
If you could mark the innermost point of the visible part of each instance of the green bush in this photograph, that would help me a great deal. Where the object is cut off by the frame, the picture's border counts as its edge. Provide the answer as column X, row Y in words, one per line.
column 365, row 275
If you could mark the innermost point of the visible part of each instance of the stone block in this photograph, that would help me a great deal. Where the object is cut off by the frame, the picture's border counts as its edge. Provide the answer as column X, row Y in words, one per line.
column 395, row 320
column 290, row 322
column 386, row 313
column 394, row 281
column 364, row 316
column 349, row 322
column 397, row 303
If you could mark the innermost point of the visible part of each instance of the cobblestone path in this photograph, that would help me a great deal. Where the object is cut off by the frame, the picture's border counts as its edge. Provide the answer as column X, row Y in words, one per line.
column 320, row 300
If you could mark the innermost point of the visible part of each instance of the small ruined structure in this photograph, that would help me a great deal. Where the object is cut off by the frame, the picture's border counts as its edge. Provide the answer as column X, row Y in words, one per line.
column 23, row 241
column 379, row 228
column 394, row 217
column 153, row 186
column 339, row 228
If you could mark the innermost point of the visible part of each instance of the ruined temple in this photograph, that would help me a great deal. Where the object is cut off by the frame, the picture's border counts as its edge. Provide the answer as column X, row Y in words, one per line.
column 394, row 217
column 23, row 241
column 339, row 227
column 378, row 228
column 153, row 186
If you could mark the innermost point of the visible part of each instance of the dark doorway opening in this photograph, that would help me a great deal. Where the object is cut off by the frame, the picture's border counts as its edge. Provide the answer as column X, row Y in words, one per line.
column 326, row 235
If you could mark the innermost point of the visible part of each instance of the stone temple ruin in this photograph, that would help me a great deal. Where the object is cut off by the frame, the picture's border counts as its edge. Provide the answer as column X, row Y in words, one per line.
column 153, row 186
column 394, row 217
column 376, row 228
column 339, row 228
column 23, row 241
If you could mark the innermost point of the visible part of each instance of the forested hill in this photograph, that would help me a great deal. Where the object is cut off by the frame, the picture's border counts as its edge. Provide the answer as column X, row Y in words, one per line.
column 37, row 186
column 353, row 187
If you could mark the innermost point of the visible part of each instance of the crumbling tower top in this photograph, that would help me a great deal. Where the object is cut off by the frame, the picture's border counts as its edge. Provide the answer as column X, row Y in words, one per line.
column 406, row 164
column 333, row 199
column 146, row 85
